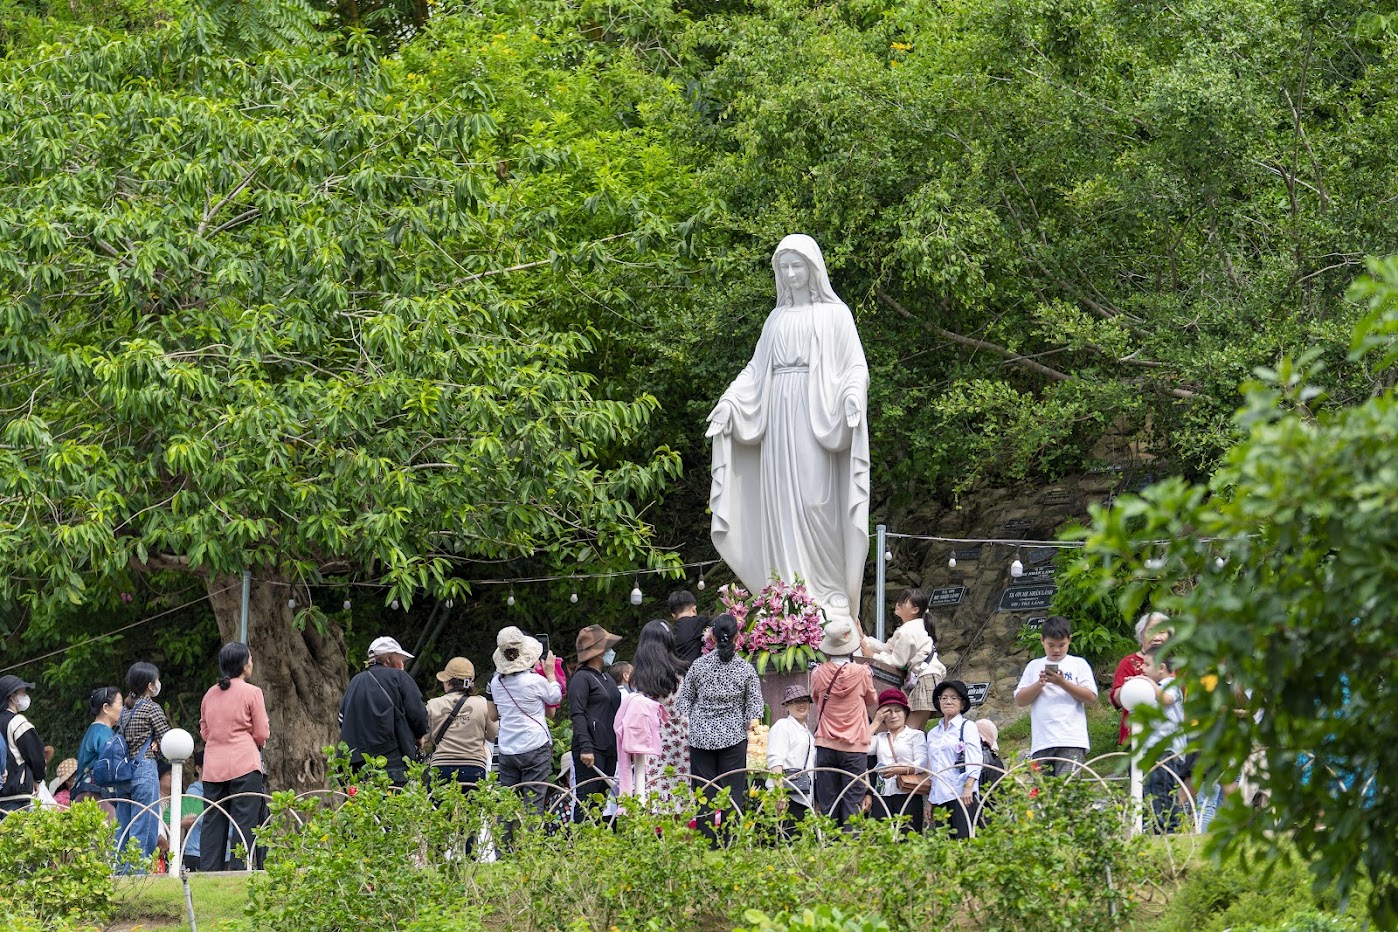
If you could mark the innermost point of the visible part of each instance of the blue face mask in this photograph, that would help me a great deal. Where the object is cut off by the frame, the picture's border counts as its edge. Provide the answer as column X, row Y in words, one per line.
column 609, row 657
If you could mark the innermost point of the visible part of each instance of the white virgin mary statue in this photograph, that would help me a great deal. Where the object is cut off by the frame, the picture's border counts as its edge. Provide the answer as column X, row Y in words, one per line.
column 790, row 490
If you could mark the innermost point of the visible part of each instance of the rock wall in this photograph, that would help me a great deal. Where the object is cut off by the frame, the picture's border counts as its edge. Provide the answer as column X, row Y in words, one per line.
column 978, row 636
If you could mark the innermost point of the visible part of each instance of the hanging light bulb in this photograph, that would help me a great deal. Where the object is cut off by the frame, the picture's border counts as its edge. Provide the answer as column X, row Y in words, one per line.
column 1155, row 563
column 290, row 603
column 394, row 603
column 951, row 561
column 1017, row 567
column 347, row 604
column 701, row 580
column 510, row 600
column 574, row 597
column 1220, row 563
column 636, row 596
column 888, row 556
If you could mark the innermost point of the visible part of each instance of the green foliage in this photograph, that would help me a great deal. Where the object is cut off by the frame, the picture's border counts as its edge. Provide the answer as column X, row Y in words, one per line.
column 1101, row 633
column 56, row 866
column 351, row 861
column 1280, row 589
column 820, row 919
column 1217, row 897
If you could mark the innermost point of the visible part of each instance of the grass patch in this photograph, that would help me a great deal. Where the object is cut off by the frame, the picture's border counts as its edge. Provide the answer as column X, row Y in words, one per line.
column 158, row 902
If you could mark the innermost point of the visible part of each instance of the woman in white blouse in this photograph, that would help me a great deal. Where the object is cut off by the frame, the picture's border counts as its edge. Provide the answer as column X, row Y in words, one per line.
column 902, row 752
column 791, row 751
column 954, row 757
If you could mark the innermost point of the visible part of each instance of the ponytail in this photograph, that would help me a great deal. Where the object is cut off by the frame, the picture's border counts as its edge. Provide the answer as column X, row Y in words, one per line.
column 725, row 629
column 232, row 660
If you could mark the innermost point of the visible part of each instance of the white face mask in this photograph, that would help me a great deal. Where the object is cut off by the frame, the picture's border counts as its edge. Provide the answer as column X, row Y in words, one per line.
column 156, row 691
column 609, row 657
column 22, row 704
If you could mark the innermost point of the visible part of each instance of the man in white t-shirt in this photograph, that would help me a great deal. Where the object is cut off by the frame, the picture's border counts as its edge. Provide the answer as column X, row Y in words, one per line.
column 1057, row 688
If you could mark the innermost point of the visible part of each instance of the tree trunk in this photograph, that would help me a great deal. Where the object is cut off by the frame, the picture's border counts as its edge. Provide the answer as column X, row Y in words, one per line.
column 303, row 674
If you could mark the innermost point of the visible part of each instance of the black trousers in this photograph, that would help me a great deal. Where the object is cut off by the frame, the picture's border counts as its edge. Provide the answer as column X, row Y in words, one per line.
column 901, row 805
column 246, row 812
column 840, row 794
column 706, row 764
column 959, row 817
column 592, row 781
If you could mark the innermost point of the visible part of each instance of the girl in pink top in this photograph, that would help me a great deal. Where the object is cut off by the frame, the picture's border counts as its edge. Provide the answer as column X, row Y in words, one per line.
column 233, row 721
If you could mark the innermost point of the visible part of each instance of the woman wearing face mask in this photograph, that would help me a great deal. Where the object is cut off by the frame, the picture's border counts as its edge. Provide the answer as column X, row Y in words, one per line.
column 594, row 700
column 24, row 749
column 143, row 724
column 104, row 705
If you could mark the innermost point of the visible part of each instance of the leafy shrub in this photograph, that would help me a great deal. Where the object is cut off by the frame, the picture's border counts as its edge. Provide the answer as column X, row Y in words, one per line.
column 820, row 919
column 56, row 866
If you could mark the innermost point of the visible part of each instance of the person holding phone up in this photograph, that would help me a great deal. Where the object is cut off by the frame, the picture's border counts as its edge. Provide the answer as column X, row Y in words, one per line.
column 1057, row 688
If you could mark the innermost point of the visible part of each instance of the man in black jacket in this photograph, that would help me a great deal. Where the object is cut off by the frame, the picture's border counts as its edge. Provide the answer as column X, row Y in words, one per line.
column 689, row 626
column 25, row 765
column 382, row 713
column 594, row 698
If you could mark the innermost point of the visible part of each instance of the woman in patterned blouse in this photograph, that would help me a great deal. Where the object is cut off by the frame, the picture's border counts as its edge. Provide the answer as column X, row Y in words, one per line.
column 720, row 695
column 143, row 724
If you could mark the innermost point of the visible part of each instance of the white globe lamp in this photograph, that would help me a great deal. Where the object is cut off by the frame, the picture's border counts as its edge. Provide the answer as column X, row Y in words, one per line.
column 1137, row 691
column 178, row 747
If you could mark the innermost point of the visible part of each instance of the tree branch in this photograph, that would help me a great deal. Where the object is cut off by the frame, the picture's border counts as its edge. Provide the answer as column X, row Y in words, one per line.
column 212, row 212
column 949, row 336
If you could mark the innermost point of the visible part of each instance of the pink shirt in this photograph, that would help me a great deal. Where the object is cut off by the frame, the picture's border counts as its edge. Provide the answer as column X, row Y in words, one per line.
column 234, row 724
column 637, row 729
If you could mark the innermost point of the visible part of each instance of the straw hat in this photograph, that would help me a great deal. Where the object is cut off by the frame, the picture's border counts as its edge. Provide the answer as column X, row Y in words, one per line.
column 457, row 668
column 515, row 651
column 66, row 768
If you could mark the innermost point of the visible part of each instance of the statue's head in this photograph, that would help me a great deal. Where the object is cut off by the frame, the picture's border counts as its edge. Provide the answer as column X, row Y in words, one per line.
column 798, row 261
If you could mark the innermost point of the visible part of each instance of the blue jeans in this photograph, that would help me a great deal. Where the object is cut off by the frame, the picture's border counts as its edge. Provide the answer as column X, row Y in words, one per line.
column 143, row 827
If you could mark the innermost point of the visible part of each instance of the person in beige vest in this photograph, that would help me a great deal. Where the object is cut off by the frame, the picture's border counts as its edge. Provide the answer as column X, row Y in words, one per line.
column 459, row 725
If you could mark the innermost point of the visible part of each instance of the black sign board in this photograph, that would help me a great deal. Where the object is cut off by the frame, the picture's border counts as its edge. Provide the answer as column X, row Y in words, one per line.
column 1036, row 555
column 944, row 598
column 1035, row 575
column 978, row 692
column 968, row 553
column 1018, row 524
column 1057, row 497
column 1035, row 598
column 1035, row 624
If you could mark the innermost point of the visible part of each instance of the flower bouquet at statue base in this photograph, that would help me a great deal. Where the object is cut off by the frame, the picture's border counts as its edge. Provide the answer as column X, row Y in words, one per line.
column 779, row 629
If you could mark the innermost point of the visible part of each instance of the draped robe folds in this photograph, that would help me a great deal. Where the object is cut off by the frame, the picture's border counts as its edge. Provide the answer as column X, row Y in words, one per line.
column 790, row 486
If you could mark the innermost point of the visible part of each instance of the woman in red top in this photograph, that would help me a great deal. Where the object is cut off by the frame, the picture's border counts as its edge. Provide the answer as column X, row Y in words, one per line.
column 1151, row 631
column 233, row 721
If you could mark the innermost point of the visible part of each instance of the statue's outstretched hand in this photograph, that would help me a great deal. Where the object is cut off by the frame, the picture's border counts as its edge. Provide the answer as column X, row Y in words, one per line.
column 720, row 420
column 851, row 412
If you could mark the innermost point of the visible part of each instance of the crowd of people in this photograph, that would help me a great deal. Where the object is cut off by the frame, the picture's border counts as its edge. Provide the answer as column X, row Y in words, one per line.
column 677, row 715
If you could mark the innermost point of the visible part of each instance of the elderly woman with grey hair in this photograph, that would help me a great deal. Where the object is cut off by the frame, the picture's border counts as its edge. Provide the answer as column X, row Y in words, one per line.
column 1152, row 630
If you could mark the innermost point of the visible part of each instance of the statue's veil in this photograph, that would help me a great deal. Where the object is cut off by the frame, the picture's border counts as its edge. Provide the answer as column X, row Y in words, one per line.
column 806, row 248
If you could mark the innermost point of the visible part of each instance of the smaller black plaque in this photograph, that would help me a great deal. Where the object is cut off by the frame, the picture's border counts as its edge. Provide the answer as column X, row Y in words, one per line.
column 1033, row 598
column 944, row 598
column 978, row 692
column 1057, row 497
column 1035, row 624
column 967, row 553
column 1035, row 575
column 1036, row 555
column 1019, row 524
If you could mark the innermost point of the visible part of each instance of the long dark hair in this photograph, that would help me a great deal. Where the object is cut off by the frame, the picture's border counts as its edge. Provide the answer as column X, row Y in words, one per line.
column 138, row 679
column 656, row 667
column 233, row 658
column 725, row 630
column 101, row 697
column 922, row 602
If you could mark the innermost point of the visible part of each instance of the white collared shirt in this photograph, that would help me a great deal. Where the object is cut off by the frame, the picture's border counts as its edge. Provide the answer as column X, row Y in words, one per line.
column 947, row 741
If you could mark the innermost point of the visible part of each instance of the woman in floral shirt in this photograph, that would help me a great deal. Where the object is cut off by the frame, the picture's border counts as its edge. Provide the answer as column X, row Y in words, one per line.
column 721, row 695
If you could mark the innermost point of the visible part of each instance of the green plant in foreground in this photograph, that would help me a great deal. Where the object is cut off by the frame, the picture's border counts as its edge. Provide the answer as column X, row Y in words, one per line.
column 56, row 867
column 820, row 919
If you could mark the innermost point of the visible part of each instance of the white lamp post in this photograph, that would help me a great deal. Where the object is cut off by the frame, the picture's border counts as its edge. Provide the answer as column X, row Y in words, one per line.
column 1135, row 692
column 178, row 747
